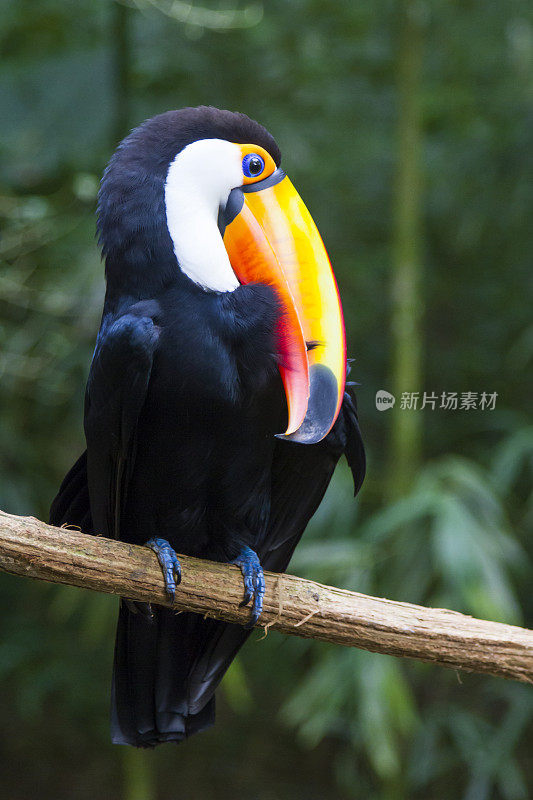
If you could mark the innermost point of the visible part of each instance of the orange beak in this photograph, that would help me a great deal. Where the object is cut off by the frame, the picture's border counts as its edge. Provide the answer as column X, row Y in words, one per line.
column 271, row 238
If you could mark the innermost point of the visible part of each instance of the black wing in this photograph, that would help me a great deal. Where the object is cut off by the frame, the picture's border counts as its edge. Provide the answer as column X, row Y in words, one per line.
column 116, row 390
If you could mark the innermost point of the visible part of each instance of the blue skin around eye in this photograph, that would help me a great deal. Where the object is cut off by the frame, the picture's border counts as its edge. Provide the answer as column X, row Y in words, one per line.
column 246, row 165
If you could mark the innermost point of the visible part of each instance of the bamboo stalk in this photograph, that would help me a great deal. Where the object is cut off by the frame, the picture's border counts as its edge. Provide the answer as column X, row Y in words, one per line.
column 292, row 605
column 407, row 291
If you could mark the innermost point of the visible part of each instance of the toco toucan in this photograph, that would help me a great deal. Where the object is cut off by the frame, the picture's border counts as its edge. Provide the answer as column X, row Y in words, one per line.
column 215, row 408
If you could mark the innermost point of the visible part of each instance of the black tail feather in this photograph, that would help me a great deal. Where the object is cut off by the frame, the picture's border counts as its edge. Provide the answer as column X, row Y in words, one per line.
column 71, row 504
column 150, row 701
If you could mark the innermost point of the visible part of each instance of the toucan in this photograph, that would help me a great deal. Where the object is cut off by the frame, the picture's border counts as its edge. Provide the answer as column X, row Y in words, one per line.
column 216, row 406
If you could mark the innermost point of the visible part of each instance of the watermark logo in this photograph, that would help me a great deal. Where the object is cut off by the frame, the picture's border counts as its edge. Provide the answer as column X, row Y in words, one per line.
column 384, row 400
column 447, row 401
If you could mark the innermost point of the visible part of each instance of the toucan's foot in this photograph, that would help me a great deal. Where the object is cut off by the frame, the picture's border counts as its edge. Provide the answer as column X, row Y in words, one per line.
column 254, row 582
column 169, row 563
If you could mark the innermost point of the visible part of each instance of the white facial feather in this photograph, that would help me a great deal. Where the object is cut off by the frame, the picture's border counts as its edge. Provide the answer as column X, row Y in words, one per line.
column 199, row 181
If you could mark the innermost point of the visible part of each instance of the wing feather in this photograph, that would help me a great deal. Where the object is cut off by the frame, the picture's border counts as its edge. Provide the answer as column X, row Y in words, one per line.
column 94, row 491
column 116, row 391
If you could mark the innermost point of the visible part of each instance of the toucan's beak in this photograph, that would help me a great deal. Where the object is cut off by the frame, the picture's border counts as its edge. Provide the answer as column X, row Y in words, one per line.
column 271, row 238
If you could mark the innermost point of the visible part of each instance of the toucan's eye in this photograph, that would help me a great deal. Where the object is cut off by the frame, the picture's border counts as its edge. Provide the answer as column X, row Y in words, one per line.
column 252, row 165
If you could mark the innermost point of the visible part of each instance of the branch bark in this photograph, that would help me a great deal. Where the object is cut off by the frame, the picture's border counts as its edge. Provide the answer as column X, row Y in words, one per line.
column 292, row 605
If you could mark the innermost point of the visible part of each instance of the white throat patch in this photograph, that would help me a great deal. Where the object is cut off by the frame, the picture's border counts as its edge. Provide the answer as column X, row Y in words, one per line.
column 198, row 182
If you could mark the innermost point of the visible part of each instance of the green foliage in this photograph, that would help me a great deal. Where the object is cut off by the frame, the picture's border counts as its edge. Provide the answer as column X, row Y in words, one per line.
column 296, row 718
column 447, row 544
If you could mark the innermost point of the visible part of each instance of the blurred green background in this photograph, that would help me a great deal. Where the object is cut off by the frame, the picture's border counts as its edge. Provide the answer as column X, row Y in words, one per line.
column 408, row 129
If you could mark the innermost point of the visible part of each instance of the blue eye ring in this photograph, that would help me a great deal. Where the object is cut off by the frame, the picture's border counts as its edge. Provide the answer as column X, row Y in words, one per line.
column 253, row 165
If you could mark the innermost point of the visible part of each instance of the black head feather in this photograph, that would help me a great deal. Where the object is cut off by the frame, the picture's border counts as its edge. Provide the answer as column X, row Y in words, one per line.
column 132, row 228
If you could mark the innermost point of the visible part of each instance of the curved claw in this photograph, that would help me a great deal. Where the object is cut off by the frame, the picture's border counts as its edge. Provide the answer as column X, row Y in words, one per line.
column 169, row 563
column 254, row 582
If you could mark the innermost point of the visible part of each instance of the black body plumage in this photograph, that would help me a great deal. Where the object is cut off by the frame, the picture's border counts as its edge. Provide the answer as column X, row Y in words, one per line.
column 183, row 402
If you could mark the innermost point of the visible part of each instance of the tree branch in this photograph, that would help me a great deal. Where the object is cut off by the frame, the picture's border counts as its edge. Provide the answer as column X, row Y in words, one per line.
column 292, row 605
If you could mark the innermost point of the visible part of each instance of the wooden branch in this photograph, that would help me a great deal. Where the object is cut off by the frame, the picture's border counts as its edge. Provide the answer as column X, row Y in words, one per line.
column 292, row 605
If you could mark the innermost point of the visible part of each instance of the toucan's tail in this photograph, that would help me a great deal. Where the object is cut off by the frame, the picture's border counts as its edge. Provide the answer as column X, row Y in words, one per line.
column 165, row 674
